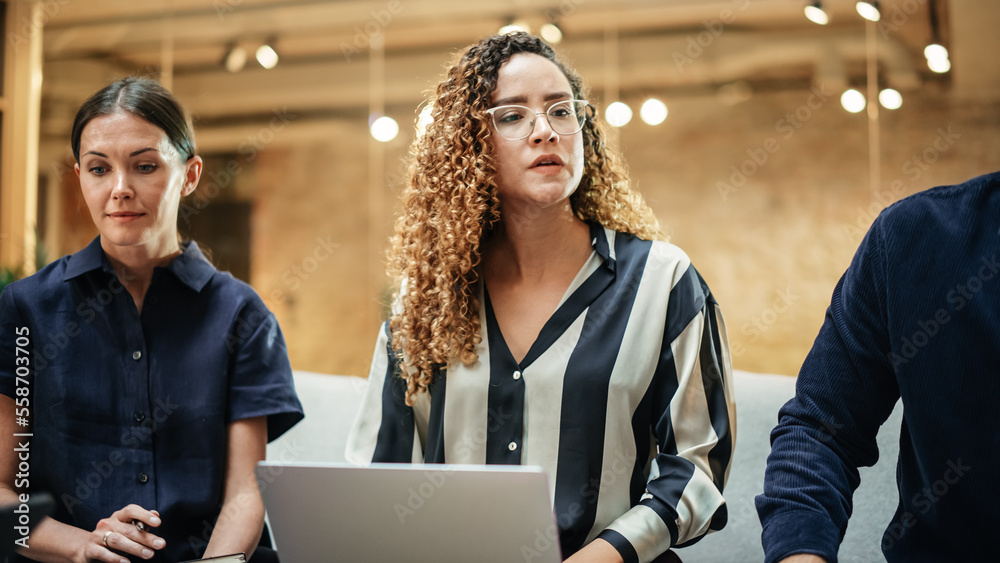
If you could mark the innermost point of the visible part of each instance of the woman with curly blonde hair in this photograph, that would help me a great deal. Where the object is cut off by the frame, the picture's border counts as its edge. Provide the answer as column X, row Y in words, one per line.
column 534, row 285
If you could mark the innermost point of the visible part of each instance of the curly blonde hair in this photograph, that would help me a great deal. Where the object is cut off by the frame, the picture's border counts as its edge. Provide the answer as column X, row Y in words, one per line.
column 450, row 204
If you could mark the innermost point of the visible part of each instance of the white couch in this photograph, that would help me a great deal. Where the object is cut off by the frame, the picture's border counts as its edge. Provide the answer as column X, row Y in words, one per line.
column 331, row 402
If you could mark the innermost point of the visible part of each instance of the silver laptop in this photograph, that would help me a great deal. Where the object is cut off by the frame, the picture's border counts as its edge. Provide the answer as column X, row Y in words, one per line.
column 412, row 513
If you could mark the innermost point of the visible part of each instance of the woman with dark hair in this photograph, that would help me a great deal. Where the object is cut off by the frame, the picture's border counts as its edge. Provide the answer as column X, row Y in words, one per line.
column 541, row 319
column 158, row 380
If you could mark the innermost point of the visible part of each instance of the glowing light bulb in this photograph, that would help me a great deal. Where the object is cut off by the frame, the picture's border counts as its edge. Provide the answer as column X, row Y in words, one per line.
column 618, row 114
column 816, row 15
column 868, row 10
column 939, row 65
column 267, row 57
column 384, row 129
column 890, row 99
column 551, row 33
column 853, row 101
column 653, row 111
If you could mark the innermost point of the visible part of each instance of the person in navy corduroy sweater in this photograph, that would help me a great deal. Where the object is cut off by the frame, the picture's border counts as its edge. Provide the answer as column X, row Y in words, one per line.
column 916, row 317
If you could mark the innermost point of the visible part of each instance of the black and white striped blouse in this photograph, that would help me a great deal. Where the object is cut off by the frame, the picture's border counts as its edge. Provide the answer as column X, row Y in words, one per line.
column 625, row 398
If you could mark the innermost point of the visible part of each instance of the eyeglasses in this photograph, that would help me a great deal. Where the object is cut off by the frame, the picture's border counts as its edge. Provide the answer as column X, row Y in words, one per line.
column 517, row 122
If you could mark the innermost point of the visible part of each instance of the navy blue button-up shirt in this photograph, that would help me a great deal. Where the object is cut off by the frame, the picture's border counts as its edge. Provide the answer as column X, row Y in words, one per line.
column 133, row 408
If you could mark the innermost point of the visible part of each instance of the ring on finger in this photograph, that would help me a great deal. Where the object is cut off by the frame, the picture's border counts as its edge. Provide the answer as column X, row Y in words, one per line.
column 106, row 534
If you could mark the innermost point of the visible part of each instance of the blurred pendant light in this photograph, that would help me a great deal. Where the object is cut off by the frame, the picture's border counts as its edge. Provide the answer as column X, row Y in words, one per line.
column 235, row 58
column 869, row 10
column 267, row 56
column 815, row 13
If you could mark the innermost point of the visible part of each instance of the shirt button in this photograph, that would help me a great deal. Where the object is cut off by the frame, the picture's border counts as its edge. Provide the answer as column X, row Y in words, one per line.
column 517, row 375
column 136, row 355
column 142, row 478
column 512, row 446
column 139, row 416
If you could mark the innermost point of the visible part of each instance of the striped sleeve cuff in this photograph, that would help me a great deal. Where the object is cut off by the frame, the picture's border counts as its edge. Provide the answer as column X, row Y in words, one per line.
column 619, row 542
column 643, row 533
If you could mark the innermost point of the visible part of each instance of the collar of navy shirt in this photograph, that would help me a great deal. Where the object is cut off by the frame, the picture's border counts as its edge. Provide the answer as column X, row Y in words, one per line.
column 191, row 268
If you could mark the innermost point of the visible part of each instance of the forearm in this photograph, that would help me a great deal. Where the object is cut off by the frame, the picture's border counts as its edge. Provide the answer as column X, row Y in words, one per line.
column 804, row 558
column 55, row 542
column 50, row 541
column 239, row 526
column 597, row 551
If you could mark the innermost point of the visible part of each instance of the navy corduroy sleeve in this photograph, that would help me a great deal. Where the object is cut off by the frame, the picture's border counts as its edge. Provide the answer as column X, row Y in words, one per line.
column 845, row 391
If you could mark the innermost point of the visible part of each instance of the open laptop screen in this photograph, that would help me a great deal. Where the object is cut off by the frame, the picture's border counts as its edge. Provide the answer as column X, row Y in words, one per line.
column 413, row 513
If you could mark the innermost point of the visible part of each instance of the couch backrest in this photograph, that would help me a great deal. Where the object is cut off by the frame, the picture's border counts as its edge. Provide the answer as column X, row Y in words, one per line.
column 331, row 402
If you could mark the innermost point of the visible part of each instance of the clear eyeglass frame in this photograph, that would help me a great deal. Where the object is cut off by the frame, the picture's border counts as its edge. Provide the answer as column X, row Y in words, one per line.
column 516, row 122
